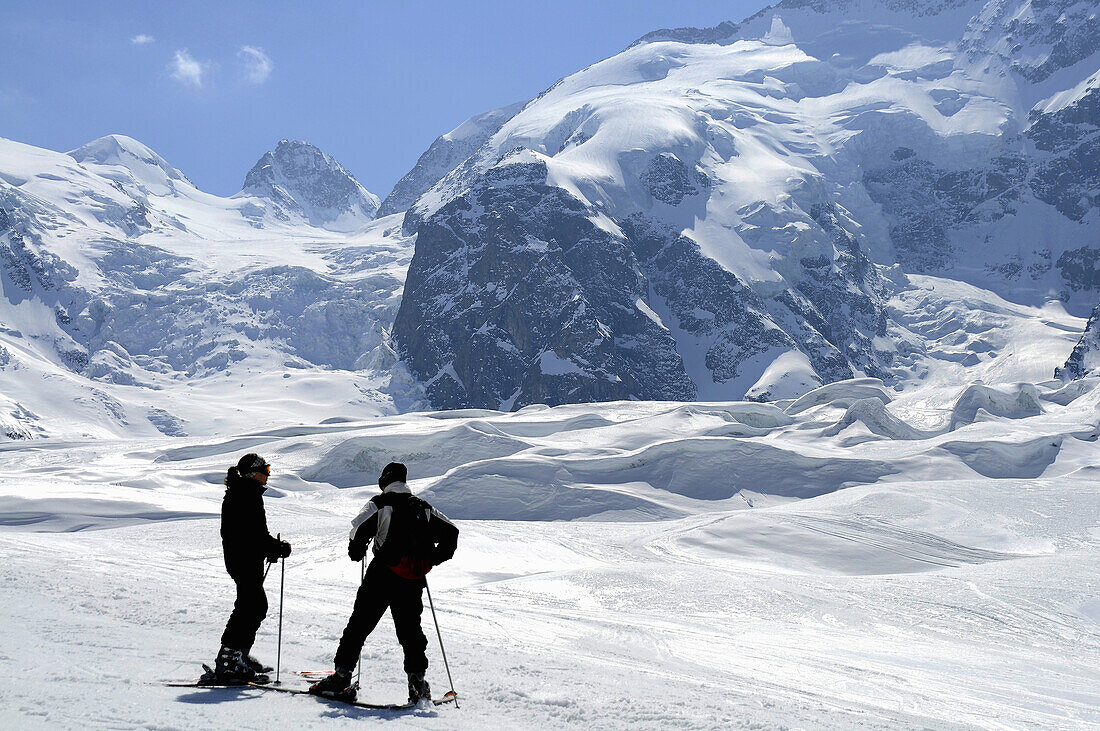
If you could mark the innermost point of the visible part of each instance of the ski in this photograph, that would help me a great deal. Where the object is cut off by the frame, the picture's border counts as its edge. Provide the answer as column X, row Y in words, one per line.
column 449, row 697
column 313, row 674
column 200, row 683
column 212, row 685
column 209, row 680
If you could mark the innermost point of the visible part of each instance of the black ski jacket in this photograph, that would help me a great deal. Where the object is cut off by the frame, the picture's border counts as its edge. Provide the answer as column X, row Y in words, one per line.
column 373, row 522
column 245, row 539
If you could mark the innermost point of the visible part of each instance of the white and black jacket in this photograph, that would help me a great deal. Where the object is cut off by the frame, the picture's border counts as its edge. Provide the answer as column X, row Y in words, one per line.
column 376, row 521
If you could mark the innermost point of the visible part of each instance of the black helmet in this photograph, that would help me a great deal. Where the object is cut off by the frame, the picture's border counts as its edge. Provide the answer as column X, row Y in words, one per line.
column 394, row 472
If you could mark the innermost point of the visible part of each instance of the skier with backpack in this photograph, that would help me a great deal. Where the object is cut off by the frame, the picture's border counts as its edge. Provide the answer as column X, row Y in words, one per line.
column 409, row 537
column 246, row 542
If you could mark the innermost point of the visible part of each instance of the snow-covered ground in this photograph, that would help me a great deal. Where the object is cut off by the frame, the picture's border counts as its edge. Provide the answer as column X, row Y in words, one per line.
column 858, row 557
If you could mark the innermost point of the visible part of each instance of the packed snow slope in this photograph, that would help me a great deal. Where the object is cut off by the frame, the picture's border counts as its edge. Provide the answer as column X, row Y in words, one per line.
column 726, row 212
column 853, row 558
column 136, row 304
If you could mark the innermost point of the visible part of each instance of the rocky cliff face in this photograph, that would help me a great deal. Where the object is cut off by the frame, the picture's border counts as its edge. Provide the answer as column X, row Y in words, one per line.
column 1085, row 358
column 548, row 307
column 754, row 179
column 299, row 181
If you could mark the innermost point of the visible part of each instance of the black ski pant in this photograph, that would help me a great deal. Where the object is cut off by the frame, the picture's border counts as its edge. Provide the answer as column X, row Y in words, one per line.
column 382, row 589
column 248, row 612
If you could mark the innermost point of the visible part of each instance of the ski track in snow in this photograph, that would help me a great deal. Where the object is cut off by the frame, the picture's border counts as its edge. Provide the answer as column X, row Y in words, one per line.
column 927, row 594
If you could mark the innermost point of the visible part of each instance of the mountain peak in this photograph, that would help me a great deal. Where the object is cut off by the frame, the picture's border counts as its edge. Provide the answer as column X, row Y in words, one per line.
column 940, row 18
column 115, row 149
column 302, row 180
column 446, row 153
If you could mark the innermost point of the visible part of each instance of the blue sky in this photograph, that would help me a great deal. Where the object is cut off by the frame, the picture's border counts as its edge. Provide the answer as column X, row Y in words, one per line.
column 211, row 86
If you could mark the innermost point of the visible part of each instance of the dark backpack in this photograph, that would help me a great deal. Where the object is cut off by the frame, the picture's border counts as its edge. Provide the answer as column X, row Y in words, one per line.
column 409, row 547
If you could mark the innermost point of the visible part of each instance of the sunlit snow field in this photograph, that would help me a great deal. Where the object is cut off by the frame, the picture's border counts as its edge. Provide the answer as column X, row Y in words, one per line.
column 854, row 558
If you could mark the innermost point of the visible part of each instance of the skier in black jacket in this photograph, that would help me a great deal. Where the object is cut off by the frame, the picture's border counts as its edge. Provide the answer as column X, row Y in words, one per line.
column 245, row 544
column 410, row 537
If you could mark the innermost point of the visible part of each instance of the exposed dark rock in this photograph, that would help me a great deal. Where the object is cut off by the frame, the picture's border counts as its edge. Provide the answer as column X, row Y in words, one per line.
column 924, row 202
column 514, row 296
column 1068, row 177
column 1085, row 357
column 668, row 179
column 1080, row 268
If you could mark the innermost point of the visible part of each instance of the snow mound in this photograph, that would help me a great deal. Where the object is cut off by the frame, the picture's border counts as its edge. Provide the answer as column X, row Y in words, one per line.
column 872, row 414
column 816, row 544
column 1007, row 460
column 1071, row 390
column 1010, row 402
column 841, row 394
column 699, row 468
column 57, row 514
column 358, row 462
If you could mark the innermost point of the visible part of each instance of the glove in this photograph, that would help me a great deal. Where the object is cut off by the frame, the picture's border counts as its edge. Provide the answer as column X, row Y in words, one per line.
column 280, row 549
column 356, row 551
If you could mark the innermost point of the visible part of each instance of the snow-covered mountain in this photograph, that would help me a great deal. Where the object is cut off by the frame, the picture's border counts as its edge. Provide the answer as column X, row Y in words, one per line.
column 297, row 180
column 136, row 303
column 445, row 154
column 826, row 190
column 715, row 213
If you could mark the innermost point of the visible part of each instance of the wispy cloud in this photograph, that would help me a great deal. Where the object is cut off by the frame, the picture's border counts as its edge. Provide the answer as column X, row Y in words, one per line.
column 186, row 70
column 256, row 64
column 142, row 39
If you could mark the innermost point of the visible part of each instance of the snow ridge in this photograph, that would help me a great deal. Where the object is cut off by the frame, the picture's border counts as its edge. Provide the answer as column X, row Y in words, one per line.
column 445, row 154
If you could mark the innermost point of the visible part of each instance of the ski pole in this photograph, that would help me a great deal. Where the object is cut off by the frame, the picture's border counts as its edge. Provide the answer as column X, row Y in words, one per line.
column 362, row 575
column 282, row 582
column 440, row 636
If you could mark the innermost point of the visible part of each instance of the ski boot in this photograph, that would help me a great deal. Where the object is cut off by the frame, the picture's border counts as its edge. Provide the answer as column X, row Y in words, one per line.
column 338, row 686
column 257, row 666
column 418, row 688
column 231, row 668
